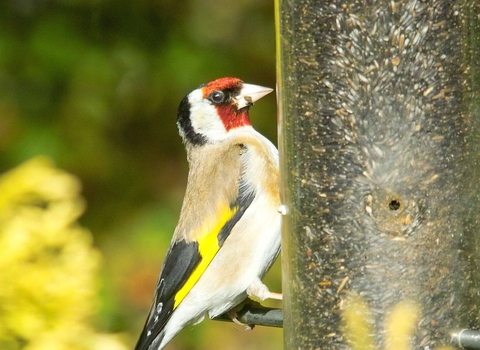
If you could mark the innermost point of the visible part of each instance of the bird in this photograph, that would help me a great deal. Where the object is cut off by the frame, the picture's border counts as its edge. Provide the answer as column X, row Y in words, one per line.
column 228, row 233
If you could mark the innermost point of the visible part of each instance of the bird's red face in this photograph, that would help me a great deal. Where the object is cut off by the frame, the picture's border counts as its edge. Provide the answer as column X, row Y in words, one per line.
column 228, row 111
column 211, row 112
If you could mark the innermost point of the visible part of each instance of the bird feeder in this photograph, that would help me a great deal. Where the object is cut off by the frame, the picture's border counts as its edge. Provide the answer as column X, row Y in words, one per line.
column 380, row 162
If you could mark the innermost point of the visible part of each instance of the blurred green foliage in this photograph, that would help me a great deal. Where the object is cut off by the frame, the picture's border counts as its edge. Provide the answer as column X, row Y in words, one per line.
column 94, row 85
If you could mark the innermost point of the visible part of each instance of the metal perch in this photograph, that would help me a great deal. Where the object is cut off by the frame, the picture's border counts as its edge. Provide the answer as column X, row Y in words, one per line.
column 257, row 315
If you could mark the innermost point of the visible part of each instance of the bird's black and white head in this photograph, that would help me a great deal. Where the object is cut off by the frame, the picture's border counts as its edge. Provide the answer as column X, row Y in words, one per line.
column 211, row 112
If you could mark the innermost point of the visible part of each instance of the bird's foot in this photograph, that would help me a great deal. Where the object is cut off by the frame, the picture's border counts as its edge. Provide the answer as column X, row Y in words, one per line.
column 233, row 313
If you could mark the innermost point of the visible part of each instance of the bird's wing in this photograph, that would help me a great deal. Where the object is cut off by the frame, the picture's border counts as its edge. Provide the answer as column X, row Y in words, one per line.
column 186, row 262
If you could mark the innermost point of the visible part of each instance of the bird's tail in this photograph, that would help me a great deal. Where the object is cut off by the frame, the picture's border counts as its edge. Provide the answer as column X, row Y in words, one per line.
column 145, row 341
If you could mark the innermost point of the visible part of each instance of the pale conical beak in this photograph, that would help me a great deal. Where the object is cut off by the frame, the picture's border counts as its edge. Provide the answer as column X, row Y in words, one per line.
column 249, row 94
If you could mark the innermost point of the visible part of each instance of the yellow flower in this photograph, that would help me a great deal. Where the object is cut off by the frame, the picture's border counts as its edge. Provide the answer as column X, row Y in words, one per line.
column 48, row 267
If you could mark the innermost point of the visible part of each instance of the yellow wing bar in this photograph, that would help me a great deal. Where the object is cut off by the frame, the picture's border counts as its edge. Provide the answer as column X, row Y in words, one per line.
column 208, row 247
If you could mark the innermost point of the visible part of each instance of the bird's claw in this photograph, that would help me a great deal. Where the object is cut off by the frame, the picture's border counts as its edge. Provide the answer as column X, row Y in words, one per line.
column 233, row 316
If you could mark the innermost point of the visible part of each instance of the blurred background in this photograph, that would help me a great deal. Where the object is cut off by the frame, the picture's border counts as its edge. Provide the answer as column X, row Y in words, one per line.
column 94, row 85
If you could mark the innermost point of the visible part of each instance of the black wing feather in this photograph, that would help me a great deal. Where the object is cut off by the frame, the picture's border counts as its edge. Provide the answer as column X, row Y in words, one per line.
column 242, row 203
column 182, row 258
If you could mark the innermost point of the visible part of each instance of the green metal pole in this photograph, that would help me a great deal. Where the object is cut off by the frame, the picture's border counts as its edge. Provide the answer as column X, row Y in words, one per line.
column 380, row 135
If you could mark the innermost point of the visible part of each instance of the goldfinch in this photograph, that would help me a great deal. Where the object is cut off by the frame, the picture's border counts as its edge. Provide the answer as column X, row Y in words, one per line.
column 228, row 234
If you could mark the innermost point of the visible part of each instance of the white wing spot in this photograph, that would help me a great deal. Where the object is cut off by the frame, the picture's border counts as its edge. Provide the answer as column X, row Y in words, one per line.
column 159, row 307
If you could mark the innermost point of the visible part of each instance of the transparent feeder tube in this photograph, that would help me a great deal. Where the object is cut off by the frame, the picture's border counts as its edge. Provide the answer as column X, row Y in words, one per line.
column 380, row 148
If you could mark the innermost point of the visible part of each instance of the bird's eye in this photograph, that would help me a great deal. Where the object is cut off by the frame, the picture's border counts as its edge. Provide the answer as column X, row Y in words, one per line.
column 217, row 97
